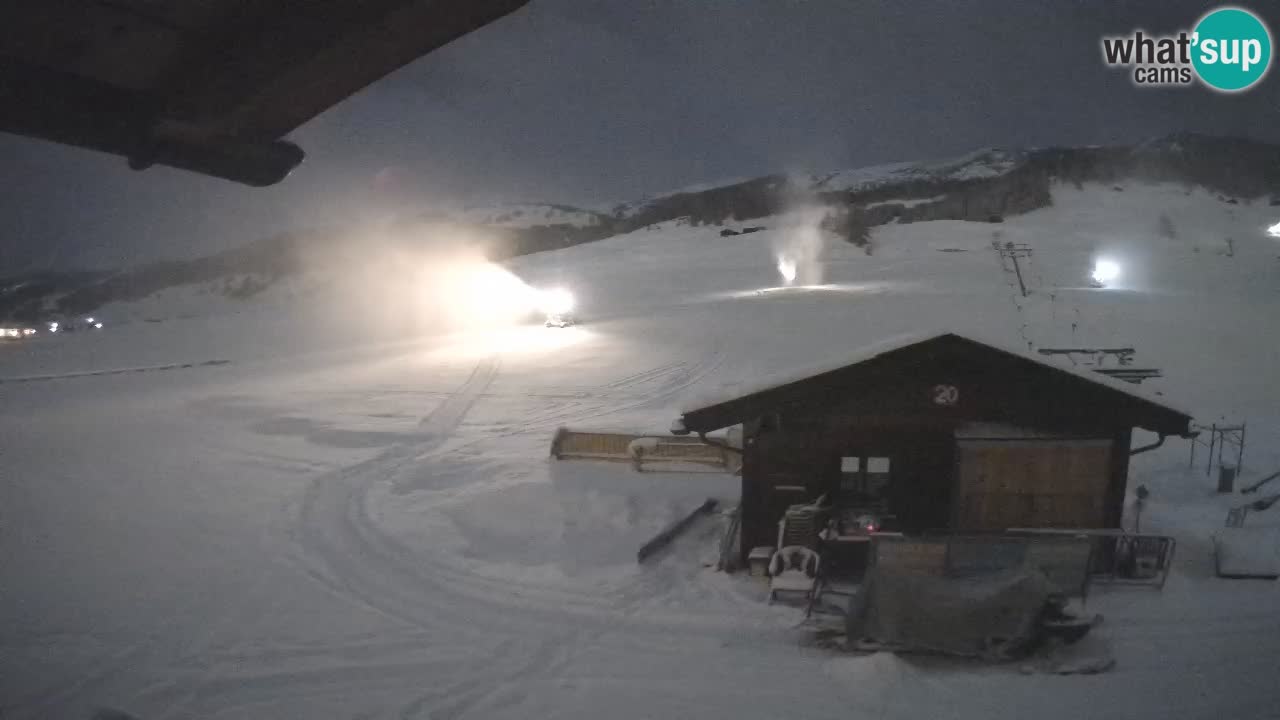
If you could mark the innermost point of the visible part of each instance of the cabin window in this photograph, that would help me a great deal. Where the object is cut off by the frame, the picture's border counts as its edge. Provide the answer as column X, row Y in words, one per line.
column 864, row 480
column 877, row 471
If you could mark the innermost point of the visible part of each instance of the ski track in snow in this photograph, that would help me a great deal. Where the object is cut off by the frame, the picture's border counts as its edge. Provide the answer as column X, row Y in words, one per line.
column 343, row 549
column 114, row 371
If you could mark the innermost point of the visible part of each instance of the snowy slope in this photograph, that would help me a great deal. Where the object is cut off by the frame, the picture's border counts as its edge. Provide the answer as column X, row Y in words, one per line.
column 631, row 208
column 220, row 297
column 524, row 215
column 980, row 164
column 342, row 525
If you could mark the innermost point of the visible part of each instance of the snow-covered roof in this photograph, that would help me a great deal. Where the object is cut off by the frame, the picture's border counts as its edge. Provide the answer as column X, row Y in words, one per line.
column 734, row 391
column 725, row 393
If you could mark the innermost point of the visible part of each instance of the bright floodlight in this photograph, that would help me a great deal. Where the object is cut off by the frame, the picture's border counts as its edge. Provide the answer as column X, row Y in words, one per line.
column 787, row 268
column 89, row 320
column 97, row 326
column 475, row 294
column 1105, row 271
column 555, row 301
column 1274, row 230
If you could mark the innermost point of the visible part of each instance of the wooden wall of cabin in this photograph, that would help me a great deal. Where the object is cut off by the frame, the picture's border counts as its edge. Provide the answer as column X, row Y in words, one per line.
column 1053, row 486
column 921, row 464
column 779, row 469
column 1035, row 483
column 1121, row 445
column 784, row 467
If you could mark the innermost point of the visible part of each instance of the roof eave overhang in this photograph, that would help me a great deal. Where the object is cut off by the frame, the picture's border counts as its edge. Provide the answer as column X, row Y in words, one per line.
column 225, row 102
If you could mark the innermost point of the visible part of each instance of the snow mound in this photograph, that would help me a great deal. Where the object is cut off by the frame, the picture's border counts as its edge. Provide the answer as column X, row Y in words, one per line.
column 1089, row 656
column 639, row 446
column 1248, row 552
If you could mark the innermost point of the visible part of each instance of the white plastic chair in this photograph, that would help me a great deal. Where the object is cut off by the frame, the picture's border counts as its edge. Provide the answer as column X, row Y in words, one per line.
column 793, row 569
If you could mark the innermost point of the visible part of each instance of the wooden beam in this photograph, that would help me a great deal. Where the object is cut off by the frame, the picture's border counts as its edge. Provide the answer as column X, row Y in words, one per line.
column 664, row 538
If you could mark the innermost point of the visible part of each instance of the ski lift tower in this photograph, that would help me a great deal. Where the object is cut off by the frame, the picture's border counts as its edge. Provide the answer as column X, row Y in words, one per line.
column 1012, row 252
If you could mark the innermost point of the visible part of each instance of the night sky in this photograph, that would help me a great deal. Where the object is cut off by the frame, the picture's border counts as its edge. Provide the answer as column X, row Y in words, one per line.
column 591, row 103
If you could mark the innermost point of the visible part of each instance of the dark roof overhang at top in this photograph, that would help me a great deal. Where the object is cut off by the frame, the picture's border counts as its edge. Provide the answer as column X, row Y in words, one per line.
column 211, row 86
column 1122, row 404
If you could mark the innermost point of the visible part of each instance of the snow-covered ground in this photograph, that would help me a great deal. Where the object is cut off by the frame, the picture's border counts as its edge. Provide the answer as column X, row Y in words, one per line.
column 345, row 524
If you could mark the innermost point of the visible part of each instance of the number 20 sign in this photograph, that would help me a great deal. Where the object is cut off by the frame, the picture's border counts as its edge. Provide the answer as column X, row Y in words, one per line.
column 946, row 395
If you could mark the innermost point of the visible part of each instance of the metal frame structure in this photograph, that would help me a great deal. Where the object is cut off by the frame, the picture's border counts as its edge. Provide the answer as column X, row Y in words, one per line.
column 1113, row 560
column 1096, row 359
column 1122, row 355
column 1220, row 436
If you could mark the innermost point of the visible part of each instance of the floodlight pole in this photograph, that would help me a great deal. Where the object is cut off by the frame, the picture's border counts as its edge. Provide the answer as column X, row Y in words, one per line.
column 1213, row 437
column 1240, row 451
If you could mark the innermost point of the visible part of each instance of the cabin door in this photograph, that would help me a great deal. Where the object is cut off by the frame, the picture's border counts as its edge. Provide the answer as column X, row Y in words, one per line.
column 1031, row 483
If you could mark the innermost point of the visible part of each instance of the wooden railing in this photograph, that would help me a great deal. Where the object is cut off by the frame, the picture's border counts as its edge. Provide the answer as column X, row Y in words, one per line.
column 659, row 452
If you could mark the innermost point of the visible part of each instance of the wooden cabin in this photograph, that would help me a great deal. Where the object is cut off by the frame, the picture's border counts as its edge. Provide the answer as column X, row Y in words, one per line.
column 940, row 432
